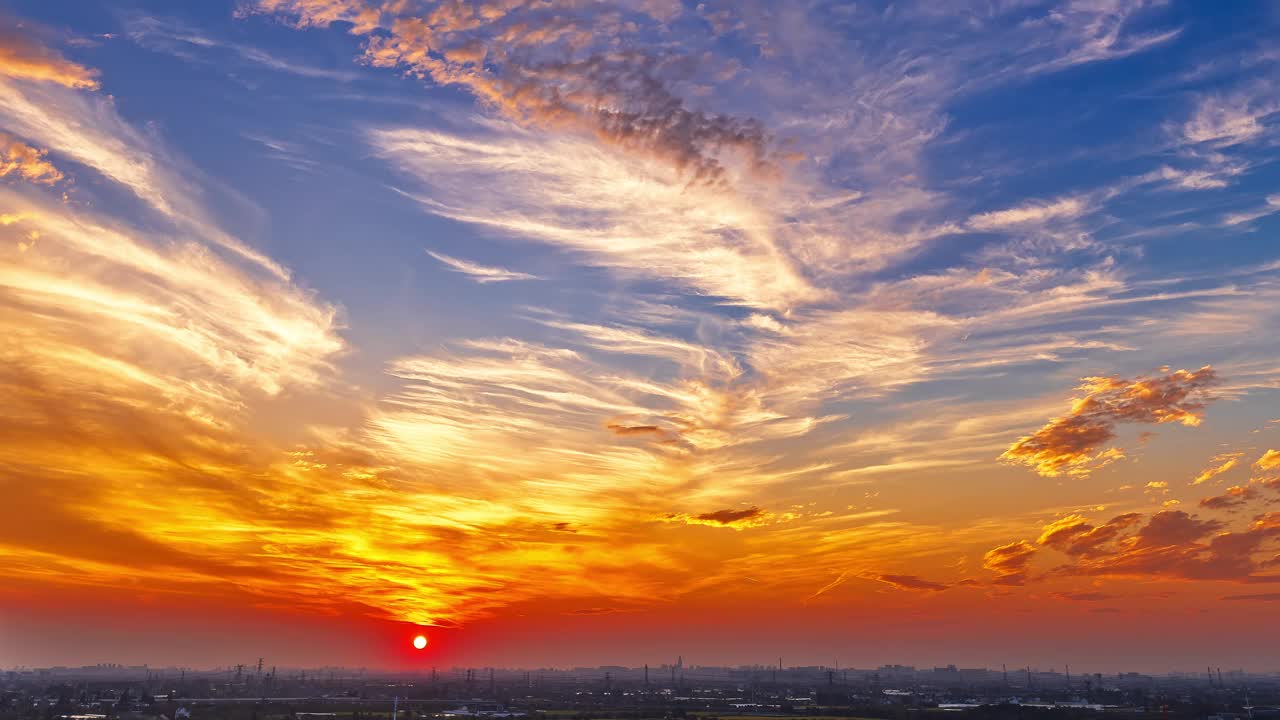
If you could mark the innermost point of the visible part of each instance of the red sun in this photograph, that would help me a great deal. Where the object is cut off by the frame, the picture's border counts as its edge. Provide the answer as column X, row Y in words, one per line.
column 420, row 642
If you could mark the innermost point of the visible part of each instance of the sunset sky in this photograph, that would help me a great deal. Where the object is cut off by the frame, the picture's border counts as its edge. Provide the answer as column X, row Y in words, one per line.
column 572, row 332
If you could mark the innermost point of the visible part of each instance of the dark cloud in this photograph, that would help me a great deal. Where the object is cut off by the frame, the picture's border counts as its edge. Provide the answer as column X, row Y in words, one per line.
column 1170, row 544
column 559, row 66
column 910, row 582
column 1081, row 596
column 731, row 517
column 625, row 430
column 1233, row 498
column 592, row 611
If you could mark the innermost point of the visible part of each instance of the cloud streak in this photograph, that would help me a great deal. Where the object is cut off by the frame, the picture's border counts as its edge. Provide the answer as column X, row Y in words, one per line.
column 482, row 274
column 22, row 57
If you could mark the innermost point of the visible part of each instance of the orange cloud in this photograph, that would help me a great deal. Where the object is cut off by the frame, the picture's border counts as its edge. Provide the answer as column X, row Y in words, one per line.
column 1225, row 462
column 1010, row 562
column 1081, row 596
column 1270, row 460
column 1170, row 544
column 1069, row 444
column 1234, row 497
column 19, row 159
column 1076, row 536
column 626, row 430
column 909, row 582
column 24, row 59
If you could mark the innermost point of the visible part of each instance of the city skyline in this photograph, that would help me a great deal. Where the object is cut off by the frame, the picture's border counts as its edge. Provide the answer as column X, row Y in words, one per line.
column 582, row 332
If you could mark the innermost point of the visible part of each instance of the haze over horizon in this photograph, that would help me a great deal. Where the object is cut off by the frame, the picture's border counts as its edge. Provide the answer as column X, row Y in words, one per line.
column 584, row 332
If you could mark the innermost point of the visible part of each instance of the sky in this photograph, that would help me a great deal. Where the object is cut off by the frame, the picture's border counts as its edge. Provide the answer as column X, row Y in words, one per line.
column 574, row 332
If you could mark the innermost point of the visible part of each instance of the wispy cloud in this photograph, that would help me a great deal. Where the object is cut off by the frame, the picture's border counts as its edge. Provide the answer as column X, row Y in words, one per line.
column 1270, row 207
column 482, row 274
column 1222, row 463
column 24, row 57
column 1230, row 119
column 175, row 38
column 1064, row 209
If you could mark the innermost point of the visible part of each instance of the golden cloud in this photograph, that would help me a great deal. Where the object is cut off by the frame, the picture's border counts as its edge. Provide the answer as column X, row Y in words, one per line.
column 1069, row 444
column 1010, row 562
column 23, row 58
column 1270, row 460
column 1169, row 544
column 1225, row 462
column 19, row 159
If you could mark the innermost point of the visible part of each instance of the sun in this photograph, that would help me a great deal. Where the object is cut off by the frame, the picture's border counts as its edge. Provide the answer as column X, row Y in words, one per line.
column 420, row 641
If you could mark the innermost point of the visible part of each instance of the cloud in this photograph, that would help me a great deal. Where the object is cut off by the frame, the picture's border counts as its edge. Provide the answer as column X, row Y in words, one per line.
column 1271, row 207
column 552, row 70
column 1229, row 119
column 1082, row 596
column 1225, row 462
column 1064, row 209
column 177, row 39
column 1010, row 562
column 1067, row 444
column 1090, row 31
column 840, row 579
column 23, row 58
column 1270, row 460
column 1169, row 544
column 629, row 430
column 1074, row 535
column 86, row 128
column 611, row 211
column 908, row 582
column 19, row 159
column 592, row 611
column 1215, row 175
column 729, row 517
column 482, row 274
column 1234, row 497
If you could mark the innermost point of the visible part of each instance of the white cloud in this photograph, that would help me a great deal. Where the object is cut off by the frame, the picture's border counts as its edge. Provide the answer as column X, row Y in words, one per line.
column 1032, row 213
column 482, row 274
column 1270, row 207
